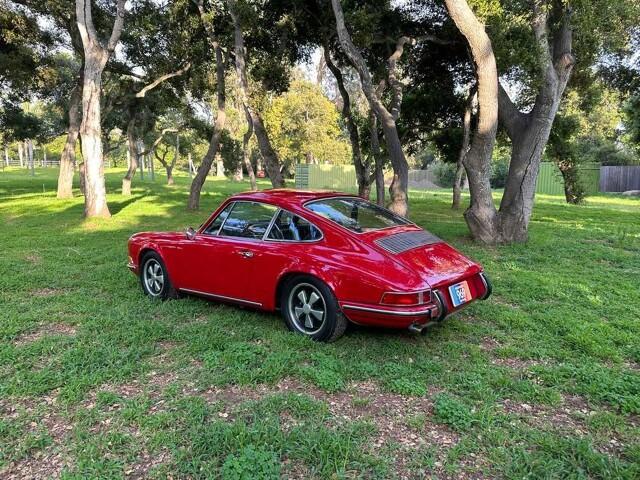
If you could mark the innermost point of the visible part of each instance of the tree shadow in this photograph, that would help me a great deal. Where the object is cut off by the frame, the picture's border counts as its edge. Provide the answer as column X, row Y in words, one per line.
column 116, row 207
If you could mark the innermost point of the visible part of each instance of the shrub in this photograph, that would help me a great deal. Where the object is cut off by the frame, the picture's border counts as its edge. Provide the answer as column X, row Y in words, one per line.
column 445, row 174
column 499, row 173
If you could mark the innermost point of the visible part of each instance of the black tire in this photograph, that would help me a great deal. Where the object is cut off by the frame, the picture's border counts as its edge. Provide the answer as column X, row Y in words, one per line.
column 300, row 309
column 154, row 278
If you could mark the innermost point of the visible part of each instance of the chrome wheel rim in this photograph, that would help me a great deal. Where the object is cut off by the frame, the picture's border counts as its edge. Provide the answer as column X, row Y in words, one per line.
column 307, row 308
column 153, row 277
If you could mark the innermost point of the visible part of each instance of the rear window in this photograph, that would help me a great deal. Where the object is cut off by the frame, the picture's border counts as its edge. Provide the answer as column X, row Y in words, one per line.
column 356, row 214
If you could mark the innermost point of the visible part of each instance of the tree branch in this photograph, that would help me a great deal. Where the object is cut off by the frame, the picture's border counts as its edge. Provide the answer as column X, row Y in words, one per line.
column 563, row 59
column 434, row 39
column 512, row 119
column 396, row 85
column 84, row 19
column 118, row 24
column 157, row 141
column 161, row 79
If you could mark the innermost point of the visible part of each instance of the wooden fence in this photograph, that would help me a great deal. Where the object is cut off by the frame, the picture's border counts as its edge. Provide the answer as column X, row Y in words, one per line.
column 619, row 179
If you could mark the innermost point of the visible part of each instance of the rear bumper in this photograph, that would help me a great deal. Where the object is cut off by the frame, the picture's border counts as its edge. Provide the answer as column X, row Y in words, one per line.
column 380, row 316
column 418, row 318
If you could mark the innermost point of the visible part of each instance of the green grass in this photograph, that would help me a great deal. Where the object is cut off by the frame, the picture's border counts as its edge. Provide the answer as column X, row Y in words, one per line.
column 96, row 380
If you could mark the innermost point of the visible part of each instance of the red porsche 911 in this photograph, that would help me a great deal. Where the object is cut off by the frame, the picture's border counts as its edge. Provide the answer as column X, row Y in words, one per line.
column 321, row 258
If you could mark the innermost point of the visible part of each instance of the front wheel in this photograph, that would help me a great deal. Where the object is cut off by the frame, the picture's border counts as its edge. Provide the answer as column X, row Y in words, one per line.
column 310, row 308
column 155, row 278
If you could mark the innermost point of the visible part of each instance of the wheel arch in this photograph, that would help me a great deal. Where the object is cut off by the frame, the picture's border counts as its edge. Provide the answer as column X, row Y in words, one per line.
column 145, row 249
column 285, row 277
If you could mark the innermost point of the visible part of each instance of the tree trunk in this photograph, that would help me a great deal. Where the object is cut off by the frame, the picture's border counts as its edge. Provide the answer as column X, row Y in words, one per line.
column 151, row 167
column 6, row 155
column 140, row 157
column 169, row 169
column 245, row 151
column 268, row 153
column 219, row 166
column 362, row 171
column 95, row 58
column 238, row 175
column 272, row 164
column 481, row 216
column 95, row 189
column 529, row 132
column 377, row 156
column 176, row 158
column 32, row 162
column 573, row 191
column 68, row 157
column 466, row 134
column 20, row 154
column 132, row 151
column 399, row 186
column 82, row 177
column 205, row 166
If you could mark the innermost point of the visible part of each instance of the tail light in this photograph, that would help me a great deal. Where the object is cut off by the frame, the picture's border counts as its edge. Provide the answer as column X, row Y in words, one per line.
column 400, row 299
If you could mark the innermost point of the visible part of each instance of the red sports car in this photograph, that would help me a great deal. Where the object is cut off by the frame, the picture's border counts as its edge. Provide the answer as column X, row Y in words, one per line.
column 321, row 258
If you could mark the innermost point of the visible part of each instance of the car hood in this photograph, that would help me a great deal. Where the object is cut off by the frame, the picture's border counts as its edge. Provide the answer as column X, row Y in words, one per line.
column 435, row 261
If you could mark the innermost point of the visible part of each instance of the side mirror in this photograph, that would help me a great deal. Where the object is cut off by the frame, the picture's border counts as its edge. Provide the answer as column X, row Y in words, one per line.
column 190, row 233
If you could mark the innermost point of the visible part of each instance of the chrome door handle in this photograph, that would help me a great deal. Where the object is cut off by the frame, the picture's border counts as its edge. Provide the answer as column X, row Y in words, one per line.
column 246, row 253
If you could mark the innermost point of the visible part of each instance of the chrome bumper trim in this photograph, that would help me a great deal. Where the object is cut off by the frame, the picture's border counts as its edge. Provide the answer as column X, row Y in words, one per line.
column 426, row 311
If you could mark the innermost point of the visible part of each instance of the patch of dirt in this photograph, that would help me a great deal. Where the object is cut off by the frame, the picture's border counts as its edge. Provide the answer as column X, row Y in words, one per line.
column 145, row 463
column 517, row 363
column 47, row 463
column 503, row 302
column 153, row 384
column 632, row 365
column 294, row 470
column 488, row 344
column 50, row 461
column 165, row 346
column 45, row 292
column 360, row 401
column 568, row 417
column 44, row 330
column 33, row 258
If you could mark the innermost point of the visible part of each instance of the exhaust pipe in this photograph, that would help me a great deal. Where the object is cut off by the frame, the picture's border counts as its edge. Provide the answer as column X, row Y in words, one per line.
column 418, row 328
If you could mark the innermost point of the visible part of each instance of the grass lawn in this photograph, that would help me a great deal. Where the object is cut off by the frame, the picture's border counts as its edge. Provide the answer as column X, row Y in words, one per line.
column 96, row 380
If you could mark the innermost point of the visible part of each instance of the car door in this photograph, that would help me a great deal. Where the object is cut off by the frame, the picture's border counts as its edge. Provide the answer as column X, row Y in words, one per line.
column 286, row 248
column 224, row 254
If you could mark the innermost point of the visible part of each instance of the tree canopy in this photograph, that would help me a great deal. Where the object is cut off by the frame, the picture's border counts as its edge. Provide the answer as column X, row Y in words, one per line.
column 260, row 86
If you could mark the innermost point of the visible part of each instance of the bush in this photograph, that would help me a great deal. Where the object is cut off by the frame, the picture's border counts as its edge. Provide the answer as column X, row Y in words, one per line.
column 251, row 464
column 499, row 173
column 445, row 174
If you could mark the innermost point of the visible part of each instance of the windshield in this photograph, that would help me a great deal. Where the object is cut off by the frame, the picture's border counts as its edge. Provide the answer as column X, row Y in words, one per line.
column 356, row 214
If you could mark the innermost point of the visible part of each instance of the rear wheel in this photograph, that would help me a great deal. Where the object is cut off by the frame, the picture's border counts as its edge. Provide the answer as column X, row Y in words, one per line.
column 310, row 308
column 155, row 278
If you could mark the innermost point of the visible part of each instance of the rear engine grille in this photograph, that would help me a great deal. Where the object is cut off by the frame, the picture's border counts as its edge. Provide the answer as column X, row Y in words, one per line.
column 401, row 242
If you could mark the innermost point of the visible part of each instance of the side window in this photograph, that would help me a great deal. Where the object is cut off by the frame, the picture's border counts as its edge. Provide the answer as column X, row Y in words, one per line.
column 293, row 228
column 214, row 226
column 248, row 220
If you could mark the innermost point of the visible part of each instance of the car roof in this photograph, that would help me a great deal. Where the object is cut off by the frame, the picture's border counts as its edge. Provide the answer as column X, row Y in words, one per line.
column 288, row 196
